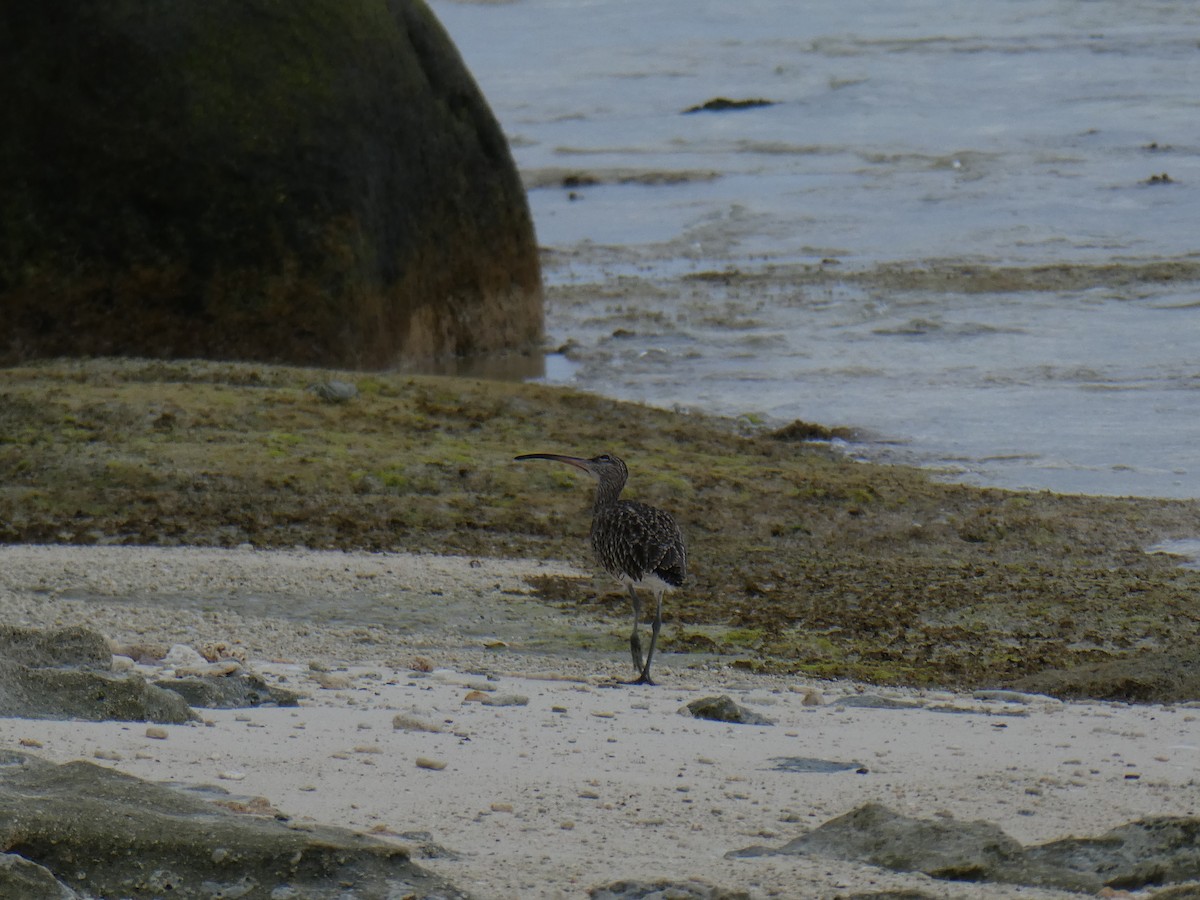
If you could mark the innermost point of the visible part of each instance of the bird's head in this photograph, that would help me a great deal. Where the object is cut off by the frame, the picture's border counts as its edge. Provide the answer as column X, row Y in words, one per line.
column 605, row 467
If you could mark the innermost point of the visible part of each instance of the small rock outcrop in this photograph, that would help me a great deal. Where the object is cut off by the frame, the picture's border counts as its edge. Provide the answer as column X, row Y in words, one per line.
column 1144, row 853
column 724, row 709
column 65, row 673
column 79, row 827
column 314, row 182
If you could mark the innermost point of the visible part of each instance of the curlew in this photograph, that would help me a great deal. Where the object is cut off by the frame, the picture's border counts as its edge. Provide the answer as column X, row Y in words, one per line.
column 639, row 545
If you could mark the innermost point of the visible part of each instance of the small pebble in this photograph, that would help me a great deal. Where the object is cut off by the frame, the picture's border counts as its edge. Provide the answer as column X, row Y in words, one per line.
column 110, row 755
column 231, row 776
column 30, row 742
column 154, row 731
column 502, row 807
column 424, row 762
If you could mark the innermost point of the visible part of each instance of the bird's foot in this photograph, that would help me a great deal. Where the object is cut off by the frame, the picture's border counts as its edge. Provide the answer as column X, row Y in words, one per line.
column 644, row 678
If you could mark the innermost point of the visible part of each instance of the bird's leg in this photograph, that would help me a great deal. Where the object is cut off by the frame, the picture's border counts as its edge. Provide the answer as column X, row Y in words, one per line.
column 635, row 643
column 644, row 677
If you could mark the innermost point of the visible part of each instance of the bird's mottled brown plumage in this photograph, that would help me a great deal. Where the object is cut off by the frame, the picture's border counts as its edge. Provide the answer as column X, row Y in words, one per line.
column 637, row 544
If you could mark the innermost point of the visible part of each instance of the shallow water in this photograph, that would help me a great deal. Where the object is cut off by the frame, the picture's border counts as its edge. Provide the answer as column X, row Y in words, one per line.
column 999, row 133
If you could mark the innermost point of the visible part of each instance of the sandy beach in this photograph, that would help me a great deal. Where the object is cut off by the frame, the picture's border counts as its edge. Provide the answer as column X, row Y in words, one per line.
column 537, row 777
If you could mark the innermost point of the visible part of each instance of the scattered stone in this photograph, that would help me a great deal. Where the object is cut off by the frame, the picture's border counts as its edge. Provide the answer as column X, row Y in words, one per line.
column 30, row 742
column 332, row 681
column 209, row 670
column 1014, row 697
column 812, row 698
column 230, row 775
column 692, row 889
column 217, row 651
column 806, row 764
column 333, row 391
column 496, row 699
column 874, row 701
column 723, row 709
column 109, row 755
column 83, row 823
column 723, row 104
column 501, row 807
column 181, row 655
column 405, row 722
column 1143, row 853
column 604, row 714
column 425, row 762
column 143, row 654
column 158, row 734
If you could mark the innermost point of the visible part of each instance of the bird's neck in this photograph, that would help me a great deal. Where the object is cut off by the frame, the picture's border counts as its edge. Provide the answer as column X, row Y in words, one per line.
column 607, row 493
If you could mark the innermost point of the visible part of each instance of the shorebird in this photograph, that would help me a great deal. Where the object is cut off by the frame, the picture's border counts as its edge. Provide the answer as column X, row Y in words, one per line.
column 639, row 545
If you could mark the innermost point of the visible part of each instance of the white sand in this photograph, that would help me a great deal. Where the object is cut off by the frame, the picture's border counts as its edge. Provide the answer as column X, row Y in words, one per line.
column 587, row 784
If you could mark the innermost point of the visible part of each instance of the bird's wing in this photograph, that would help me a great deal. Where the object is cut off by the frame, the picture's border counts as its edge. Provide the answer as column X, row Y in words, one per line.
column 642, row 540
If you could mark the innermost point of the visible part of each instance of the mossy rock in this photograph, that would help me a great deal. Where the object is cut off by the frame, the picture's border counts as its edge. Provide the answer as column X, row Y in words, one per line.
column 318, row 181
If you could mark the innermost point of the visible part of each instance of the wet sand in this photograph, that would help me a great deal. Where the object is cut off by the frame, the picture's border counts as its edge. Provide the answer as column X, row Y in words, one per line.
column 584, row 783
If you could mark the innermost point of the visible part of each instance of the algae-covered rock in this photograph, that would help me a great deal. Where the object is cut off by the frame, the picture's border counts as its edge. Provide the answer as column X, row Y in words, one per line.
column 106, row 834
column 317, row 181
column 1143, row 853
column 73, row 646
column 724, row 709
column 238, row 691
column 66, row 673
column 29, row 693
column 21, row 878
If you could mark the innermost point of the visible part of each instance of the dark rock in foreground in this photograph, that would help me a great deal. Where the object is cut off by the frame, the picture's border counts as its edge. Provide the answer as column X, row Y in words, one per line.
column 316, row 182
column 1139, row 854
column 106, row 834
column 723, row 709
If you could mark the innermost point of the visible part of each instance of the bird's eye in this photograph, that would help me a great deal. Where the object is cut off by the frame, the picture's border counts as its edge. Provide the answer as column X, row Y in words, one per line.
column 604, row 457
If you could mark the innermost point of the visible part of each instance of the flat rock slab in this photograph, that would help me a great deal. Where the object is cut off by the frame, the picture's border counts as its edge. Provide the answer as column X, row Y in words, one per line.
column 106, row 834
column 1139, row 854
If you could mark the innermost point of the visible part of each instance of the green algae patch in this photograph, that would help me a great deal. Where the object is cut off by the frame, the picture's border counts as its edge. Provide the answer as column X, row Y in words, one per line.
column 801, row 560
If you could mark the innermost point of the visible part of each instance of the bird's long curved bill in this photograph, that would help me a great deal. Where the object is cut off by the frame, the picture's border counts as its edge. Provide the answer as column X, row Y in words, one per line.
column 569, row 460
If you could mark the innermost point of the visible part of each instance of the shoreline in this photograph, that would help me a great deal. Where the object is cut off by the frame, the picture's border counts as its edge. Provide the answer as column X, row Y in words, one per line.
column 585, row 784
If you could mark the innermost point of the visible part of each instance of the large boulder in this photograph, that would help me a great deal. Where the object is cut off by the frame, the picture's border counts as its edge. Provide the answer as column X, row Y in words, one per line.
column 317, row 182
